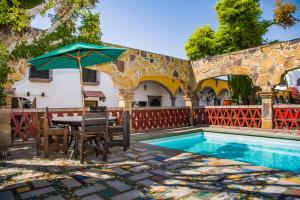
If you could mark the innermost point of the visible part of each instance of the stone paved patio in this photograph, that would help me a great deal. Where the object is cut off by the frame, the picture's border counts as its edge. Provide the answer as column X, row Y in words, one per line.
column 143, row 172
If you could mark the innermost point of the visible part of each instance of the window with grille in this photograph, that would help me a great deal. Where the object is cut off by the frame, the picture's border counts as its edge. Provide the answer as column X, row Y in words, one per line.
column 89, row 75
column 34, row 74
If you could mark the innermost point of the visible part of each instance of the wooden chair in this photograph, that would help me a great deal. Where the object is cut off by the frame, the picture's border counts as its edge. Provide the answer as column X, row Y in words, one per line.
column 93, row 127
column 121, row 131
column 51, row 139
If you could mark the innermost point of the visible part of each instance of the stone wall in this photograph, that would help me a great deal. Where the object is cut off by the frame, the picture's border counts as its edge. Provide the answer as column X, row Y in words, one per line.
column 266, row 65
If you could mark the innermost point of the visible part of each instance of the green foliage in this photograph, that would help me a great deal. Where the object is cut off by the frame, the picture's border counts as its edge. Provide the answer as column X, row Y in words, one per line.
column 4, row 71
column 67, row 33
column 11, row 14
column 201, row 43
column 241, row 88
column 89, row 30
column 284, row 14
column 14, row 13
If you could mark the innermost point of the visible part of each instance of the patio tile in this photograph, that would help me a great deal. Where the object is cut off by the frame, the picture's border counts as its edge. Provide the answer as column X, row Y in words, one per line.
column 273, row 191
column 154, row 162
column 162, row 173
column 178, row 193
column 144, row 158
column 36, row 193
column 89, row 189
column 92, row 197
column 140, row 168
column 131, row 155
column 145, row 153
column 92, row 180
column 293, row 192
column 40, row 183
column 17, row 185
column 70, row 182
column 118, row 185
column 23, row 189
column 140, row 176
column 128, row 195
column 120, row 171
column 117, row 159
column 7, row 195
column 158, row 178
column 175, row 166
column 108, row 192
column 56, row 197
column 140, row 149
column 148, row 183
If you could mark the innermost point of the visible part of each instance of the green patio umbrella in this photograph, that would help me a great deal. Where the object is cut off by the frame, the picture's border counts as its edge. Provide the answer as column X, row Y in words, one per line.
column 77, row 55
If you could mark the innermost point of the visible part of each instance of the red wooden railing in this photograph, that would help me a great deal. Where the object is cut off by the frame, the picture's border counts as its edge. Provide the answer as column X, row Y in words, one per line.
column 234, row 116
column 159, row 118
column 23, row 125
column 287, row 117
column 200, row 116
column 23, row 121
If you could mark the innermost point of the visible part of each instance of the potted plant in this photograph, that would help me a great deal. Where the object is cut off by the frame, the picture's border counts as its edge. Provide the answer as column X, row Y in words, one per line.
column 227, row 100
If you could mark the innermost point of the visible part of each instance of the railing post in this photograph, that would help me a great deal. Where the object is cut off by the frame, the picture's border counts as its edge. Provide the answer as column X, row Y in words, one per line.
column 189, row 103
column 5, row 120
column 267, row 110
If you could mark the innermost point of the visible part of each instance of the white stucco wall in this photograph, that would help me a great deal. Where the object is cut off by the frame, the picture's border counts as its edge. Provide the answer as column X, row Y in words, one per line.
column 156, row 90
column 64, row 90
column 292, row 77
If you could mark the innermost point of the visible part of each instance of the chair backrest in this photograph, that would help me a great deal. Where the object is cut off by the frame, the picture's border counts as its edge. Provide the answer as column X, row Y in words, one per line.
column 94, row 122
column 98, row 109
column 49, row 117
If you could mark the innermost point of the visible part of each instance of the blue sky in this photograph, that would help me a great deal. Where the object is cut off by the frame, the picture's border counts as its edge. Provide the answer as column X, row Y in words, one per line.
column 163, row 26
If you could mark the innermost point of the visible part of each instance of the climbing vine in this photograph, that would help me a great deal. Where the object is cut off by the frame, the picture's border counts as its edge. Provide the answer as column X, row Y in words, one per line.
column 4, row 71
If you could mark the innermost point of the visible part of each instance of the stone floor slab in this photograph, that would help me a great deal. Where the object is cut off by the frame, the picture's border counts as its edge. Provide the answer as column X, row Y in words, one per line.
column 89, row 190
column 56, row 197
column 70, row 182
column 40, row 183
column 92, row 197
column 120, row 171
column 140, row 176
column 128, row 195
column 36, row 193
column 118, row 185
column 7, row 195
column 148, row 183
column 178, row 193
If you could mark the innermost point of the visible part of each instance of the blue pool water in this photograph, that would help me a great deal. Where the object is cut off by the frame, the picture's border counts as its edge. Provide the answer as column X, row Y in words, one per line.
column 269, row 152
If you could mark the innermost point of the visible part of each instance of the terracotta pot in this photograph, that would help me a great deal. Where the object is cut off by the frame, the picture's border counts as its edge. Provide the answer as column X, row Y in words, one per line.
column 227, row 102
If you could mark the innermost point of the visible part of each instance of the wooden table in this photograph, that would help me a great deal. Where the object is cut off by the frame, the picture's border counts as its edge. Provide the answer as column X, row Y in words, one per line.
column 75, row 122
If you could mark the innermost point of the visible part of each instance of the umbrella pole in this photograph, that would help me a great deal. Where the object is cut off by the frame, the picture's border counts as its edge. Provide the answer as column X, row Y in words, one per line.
column 81, row 85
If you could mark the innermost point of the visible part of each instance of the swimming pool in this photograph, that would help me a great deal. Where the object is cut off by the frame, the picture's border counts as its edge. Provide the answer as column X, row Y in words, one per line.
column 269, row 152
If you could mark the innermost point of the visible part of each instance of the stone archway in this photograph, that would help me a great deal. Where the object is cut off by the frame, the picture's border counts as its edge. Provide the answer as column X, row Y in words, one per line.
column 265, row 65
column 136, row 65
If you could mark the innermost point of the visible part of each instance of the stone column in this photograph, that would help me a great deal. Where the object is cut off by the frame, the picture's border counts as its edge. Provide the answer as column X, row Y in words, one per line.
column 267, row 109
column 189, row 103
column 5, row 120
column 125, row 101
column 173, row 99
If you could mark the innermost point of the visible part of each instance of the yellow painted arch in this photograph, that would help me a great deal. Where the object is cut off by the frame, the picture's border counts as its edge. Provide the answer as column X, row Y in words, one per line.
column 216, row 84
column 171, row 84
